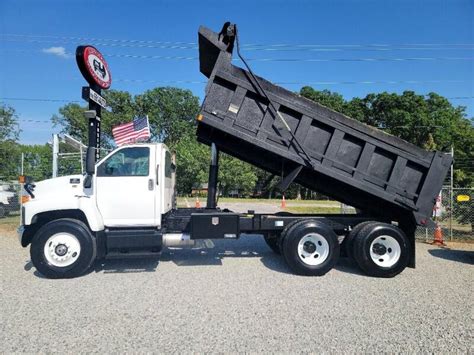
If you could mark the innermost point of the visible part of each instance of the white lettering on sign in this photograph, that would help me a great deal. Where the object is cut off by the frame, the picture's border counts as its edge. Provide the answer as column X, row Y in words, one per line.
column 97, row 98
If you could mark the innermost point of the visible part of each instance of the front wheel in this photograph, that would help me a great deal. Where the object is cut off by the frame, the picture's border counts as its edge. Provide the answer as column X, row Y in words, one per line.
column 63, row 248
column 310, row 248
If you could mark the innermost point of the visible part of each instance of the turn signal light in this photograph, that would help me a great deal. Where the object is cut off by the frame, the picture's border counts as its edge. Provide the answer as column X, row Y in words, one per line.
column 25, row 199
column 199, row 117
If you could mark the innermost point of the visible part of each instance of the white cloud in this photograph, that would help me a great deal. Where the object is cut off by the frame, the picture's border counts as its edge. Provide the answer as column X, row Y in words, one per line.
column 59, row 51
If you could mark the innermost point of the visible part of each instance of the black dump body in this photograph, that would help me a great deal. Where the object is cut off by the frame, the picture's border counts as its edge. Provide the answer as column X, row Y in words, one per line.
column 354, row 163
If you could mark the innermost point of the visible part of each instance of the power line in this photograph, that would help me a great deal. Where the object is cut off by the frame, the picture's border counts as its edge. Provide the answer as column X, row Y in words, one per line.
column 365, row 82
column 34, row 121
column 160, row 57
column 266, row 45
column 78, row 101
column 318, row 60
column 36, row 99
column 258, row 47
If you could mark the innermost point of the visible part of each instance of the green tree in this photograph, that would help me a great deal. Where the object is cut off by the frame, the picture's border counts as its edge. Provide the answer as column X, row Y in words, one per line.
column 172, row 115
column 236, row 175
column 9, row 149
column 326, row 98
column 192, row 162
column 430, row 121
column 171, row 111
column 38, row 161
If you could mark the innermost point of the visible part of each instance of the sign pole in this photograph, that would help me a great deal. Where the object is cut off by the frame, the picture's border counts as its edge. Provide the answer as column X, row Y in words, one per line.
column 94, row 124
column 95, row 70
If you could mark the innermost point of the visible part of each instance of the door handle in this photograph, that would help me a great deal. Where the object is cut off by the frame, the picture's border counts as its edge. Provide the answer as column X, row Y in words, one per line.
column 150, row 184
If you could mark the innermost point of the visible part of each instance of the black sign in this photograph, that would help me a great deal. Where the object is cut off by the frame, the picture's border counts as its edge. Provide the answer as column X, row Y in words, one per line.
column 89, row 94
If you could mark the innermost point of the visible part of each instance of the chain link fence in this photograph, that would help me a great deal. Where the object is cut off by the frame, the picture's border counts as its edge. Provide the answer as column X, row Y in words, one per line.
column 454, row 214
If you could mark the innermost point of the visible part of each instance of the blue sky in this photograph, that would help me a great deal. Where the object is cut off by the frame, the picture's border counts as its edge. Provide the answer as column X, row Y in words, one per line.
column 38, row 39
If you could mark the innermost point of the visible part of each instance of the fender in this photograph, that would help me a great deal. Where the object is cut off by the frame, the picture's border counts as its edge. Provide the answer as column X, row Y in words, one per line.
column 85, row 204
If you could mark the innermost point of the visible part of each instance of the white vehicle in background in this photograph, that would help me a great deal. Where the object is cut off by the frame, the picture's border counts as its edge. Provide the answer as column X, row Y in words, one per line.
column 8, row 200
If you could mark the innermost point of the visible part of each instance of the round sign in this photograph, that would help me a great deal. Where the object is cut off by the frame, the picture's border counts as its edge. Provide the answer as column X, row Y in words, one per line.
column 93, row 66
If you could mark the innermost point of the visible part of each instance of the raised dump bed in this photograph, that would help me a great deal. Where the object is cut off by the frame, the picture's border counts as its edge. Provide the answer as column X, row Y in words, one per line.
column 328, row 152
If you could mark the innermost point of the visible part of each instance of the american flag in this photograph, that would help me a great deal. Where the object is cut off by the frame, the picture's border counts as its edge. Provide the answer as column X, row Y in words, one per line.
column 131, row 132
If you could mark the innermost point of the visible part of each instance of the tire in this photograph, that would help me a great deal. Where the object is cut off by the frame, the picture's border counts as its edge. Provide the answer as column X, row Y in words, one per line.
column 348, row 243
column 285, row 232
column 3, row 211
column 63, row 248
column 310, row 248
column 381, row 250
column 273, row 242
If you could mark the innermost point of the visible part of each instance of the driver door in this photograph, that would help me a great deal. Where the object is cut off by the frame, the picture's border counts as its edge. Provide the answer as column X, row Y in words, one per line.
column 125, row 188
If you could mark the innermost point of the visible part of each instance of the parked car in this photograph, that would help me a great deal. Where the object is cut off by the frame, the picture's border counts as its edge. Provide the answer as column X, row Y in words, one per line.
column 9, row 201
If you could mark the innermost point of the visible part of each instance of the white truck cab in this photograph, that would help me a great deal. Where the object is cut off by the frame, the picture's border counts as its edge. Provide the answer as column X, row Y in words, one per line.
column 68, row 219
column 132, row 186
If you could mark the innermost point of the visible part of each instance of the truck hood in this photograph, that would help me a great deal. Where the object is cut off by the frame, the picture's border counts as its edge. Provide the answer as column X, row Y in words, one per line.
column 60, row 187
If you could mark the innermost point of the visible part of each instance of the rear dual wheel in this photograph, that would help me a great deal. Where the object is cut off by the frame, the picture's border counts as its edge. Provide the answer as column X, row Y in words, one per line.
column 310, row 247
column 381, row 249
column 273, row 242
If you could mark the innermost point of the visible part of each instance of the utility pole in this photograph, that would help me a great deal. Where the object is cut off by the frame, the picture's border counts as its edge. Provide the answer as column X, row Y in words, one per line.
column 451, row 187
column 55, row 154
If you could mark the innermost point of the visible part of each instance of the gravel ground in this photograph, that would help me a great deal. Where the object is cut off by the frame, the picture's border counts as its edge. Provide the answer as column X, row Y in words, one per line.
column 237, row 296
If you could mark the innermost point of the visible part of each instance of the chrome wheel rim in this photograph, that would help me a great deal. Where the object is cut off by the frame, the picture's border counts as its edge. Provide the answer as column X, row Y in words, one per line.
column 62, row 249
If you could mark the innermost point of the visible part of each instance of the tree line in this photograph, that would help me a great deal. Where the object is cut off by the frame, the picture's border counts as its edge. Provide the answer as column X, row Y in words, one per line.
column 429, row 121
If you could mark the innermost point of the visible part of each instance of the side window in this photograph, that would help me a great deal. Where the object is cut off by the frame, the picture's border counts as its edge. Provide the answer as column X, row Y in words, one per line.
column 168, row 165
column 126, row 162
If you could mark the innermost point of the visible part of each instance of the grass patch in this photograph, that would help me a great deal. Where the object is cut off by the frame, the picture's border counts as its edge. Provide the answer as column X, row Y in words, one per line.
column 313, row 210
column 10, row 223
column 273, row 201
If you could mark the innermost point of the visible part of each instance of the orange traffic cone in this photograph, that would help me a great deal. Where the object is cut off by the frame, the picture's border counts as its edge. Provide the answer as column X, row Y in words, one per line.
column 438, row 236
column 198, row 204
column 283, row 202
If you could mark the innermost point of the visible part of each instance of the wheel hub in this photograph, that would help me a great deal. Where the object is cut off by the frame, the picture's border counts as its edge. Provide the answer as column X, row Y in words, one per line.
column 309, row 247
column 385, row 251
column 313, row 249
column 61, row 250
column 379, row 249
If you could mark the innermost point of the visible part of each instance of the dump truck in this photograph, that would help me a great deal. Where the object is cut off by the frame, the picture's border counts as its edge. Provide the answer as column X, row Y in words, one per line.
column 124, row 206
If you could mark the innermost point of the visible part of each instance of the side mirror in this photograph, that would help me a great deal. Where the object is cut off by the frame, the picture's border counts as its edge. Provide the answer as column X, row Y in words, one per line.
column 90, row 161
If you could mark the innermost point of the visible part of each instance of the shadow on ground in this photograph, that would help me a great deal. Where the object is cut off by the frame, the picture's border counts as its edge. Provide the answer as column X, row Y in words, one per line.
column 460, row 256
column 247, row 247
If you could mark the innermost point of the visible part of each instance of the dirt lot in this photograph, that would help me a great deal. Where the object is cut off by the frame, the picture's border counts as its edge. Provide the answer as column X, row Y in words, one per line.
column 236, row 296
